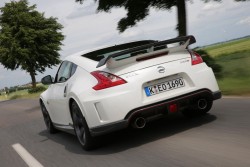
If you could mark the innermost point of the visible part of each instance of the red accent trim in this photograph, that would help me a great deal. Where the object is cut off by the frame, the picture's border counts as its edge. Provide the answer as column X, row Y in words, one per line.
column 152, row 56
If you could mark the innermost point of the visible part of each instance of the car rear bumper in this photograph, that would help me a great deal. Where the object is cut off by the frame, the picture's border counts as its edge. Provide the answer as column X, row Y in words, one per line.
column 155, row 110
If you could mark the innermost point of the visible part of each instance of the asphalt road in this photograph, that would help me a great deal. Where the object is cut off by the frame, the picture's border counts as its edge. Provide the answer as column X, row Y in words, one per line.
column 221, row 138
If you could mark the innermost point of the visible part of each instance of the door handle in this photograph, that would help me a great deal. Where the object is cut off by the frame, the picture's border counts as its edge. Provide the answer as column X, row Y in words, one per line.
column 65, row 91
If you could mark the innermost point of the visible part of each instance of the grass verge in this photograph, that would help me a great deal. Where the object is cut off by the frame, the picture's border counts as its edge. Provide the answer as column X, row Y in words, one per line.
column 236, row 73
column 21, row 94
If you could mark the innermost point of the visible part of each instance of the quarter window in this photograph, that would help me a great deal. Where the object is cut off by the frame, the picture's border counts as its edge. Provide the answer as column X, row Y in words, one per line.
column 73, row 69
column 64, row 71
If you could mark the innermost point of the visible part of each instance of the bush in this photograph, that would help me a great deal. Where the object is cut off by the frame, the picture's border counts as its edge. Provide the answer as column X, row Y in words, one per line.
column 23, row 88
column 36, row 90
column 11, row 90
column 15, row 97
column 217, row 69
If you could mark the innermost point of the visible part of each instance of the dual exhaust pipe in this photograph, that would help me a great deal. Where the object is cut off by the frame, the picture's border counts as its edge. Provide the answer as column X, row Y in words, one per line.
column 140, row 122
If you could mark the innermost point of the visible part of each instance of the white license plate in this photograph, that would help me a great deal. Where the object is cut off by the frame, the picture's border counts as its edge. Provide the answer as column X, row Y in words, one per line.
column 164, row 86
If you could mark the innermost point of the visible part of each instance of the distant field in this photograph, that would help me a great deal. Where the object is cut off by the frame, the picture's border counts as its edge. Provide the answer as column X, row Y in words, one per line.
column 234, row 57
column 229, row 47
column 236, row 72
column 21, row 94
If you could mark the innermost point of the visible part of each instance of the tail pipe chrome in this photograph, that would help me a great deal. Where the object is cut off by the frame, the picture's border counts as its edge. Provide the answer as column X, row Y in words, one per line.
column 139, row 123
column 202, row 104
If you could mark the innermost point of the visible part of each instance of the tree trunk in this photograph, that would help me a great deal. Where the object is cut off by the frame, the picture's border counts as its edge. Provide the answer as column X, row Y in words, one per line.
column 181, row 14
column 33, row 79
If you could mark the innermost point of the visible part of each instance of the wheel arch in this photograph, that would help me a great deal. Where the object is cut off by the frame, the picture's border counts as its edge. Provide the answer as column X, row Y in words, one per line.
column 41, row 100
column 73, row 99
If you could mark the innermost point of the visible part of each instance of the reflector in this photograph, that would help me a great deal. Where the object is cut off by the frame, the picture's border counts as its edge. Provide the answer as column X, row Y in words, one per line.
column 172, row 107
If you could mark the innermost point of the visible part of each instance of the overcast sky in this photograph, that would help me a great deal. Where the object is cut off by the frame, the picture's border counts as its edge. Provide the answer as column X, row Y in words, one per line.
column 84, row 28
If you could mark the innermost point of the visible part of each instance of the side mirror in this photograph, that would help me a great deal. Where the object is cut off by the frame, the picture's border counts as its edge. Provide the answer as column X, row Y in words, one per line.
column 47, row 80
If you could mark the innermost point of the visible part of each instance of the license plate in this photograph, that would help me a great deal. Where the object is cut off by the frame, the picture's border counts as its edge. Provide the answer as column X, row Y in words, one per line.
column 164, row 86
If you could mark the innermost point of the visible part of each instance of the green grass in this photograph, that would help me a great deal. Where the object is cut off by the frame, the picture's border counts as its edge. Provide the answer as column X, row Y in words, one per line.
column 232, row 86
column 229, row 47
column 236, row 72
column 234, row 57
column 21, row 94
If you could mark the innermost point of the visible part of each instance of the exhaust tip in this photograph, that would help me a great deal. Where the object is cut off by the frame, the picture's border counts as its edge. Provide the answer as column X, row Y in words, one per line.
column 202, row 104
column 139, row 123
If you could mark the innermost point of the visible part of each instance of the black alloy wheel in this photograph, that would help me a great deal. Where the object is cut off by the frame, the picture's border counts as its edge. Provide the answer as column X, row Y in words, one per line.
column 81, row 128
column 47, row 120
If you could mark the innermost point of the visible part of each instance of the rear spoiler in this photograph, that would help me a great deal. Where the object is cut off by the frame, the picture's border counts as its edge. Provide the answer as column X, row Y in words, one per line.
column 187, row 39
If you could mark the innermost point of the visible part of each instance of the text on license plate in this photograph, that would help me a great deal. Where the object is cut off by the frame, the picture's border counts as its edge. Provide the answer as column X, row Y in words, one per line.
column 164, row 86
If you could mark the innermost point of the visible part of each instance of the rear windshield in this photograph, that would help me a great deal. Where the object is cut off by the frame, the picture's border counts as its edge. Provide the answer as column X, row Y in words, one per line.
column 97, row 55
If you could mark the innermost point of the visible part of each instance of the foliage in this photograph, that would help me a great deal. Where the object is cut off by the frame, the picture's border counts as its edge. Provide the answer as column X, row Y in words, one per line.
column 137, row 10
column 217, row 69
column 27, row 39
column 37, row 89
column 11, row 90
column 23, row 88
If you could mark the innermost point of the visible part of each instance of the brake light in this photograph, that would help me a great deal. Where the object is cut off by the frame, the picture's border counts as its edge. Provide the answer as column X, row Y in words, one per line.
column 196, row 58
column 106, row 80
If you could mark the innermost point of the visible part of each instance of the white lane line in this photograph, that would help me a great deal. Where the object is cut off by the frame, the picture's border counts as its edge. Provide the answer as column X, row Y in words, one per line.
column 26, row 156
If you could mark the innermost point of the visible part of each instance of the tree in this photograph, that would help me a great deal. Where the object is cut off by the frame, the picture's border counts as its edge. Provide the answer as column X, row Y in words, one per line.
column 138, row 10
column 27, row 39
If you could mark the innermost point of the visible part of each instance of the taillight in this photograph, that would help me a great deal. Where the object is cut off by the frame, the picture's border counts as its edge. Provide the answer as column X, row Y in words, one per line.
column 196, row 58
column 106, row 80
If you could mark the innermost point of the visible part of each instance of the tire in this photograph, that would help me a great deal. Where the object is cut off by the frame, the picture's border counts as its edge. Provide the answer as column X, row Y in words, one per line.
column 47, row 119
column 195, row 111
column 81, row 128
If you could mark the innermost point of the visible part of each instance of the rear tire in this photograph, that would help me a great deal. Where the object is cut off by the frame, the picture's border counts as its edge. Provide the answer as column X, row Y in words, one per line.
column 47, row 119
column 81, row 128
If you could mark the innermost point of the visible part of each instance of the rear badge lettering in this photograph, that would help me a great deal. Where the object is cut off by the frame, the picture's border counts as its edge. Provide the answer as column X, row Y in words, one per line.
column 184, row 61
column 131, row 75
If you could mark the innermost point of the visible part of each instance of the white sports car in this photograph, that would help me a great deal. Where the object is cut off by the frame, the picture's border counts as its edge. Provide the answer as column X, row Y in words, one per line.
column 129, row 84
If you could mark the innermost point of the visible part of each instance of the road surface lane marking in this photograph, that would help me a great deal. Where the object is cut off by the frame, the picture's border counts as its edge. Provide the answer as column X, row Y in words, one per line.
column 26, row 156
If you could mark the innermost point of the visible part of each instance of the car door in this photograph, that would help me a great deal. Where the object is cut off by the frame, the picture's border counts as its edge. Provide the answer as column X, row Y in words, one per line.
column 59, row 99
